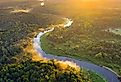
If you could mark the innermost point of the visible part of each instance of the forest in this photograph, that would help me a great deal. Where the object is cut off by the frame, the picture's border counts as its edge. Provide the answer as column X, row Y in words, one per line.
column 42, row 71
column 88, row 39
column 17, row 28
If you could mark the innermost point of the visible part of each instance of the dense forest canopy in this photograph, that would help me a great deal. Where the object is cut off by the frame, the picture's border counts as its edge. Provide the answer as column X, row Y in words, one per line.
column 89, row 38
column 42, row 71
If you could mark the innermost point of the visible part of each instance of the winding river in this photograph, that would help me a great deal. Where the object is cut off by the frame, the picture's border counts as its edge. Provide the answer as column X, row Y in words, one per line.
column 108, row 74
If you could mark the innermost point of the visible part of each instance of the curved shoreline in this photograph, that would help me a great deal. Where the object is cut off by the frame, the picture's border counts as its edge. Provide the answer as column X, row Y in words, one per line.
column 109, row 75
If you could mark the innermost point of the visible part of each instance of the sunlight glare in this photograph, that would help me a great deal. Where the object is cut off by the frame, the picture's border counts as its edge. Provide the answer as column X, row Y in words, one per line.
column 42, row 4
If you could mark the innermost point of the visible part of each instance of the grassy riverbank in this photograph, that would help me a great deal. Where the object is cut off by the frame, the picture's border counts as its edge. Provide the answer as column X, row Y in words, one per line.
column 95, row 77
column 61, row 49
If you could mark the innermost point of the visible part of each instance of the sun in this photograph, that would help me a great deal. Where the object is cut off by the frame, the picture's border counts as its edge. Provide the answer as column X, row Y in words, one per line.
column 86, row 4
column 90, row 0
